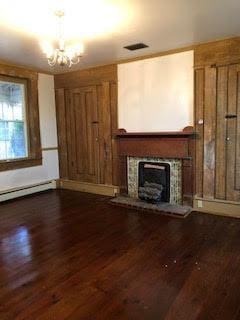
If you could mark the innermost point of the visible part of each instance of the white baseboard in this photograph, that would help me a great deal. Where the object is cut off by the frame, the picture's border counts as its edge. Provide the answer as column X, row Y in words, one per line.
column 26, row 190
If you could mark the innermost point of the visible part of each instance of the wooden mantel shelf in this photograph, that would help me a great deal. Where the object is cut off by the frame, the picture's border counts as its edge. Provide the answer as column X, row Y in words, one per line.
column 187, row 132
column 155, row 144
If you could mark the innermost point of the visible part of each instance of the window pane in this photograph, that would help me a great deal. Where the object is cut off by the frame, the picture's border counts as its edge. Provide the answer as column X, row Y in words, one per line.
column 2, row 131
column 13, row 143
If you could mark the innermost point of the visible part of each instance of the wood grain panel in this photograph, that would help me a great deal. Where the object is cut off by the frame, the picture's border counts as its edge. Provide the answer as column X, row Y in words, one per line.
column 166, row 147
column 221, row 145
column 222, row 95
column 237, row 159
column 80, row 126
column 92, row 131
column 71, row 136
column 199, row 106
column 87, row 77
column 94, row 119
column 114, row 126
column 105, row 137
column 232, row 193
column 62, row 134
column 221, row 52
column 84, row 134
column 209, row 133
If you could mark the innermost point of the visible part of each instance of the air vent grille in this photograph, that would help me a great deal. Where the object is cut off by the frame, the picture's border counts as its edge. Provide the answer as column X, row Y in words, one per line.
column 136, row 46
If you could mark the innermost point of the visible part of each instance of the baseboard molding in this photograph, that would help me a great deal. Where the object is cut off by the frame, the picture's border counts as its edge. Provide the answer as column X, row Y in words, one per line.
column 106, row 190
column 13, row 193
column 218, row 207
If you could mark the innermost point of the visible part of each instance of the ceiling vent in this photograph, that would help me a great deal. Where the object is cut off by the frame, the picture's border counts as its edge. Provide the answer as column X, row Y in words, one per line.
column 136, row 46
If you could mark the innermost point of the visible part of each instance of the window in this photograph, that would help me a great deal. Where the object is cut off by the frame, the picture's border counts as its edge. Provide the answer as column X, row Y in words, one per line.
column 20, row 144
column 13, row 124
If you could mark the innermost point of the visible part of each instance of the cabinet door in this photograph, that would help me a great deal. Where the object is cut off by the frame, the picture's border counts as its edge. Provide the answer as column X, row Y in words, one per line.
column 82, row 133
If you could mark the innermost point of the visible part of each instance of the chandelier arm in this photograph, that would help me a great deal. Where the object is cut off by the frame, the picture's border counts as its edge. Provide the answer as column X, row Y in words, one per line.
column 52, row 61
column 73, row 61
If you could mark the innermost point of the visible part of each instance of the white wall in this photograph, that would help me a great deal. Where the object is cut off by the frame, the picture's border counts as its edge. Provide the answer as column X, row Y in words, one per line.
column 49, row 169
column 156, row 94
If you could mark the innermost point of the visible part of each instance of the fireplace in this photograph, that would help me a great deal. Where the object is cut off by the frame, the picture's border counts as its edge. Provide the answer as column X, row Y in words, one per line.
column 173, row 148
column 156, row 171
column 154, row 181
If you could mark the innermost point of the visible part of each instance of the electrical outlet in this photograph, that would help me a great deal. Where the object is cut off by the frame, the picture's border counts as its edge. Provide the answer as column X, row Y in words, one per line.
column 199, row 203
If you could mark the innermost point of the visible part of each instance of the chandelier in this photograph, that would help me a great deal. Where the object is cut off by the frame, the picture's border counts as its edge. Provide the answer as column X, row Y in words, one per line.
column 61, row 54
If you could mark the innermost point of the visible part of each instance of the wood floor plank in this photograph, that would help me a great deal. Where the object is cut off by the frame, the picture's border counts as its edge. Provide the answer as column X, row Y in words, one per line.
column 66, row 255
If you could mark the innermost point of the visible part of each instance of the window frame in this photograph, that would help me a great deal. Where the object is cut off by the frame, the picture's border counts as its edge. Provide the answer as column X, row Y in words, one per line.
column 24, row 83
column 30, row 80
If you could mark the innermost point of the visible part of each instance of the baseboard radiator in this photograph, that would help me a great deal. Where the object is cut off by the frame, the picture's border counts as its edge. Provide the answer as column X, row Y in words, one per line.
column 26, row 190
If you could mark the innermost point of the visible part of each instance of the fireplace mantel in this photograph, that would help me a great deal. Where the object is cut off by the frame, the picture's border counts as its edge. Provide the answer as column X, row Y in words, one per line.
column 176, row 145
column 186, row 132
column 156, row 144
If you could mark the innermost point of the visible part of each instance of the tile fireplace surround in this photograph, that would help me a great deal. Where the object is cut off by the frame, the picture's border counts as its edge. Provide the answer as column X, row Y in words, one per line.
column 175, row 177
column 175, row 148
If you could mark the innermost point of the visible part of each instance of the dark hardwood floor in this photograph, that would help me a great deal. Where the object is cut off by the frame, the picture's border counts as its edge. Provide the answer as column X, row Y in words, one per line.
column 68, row 255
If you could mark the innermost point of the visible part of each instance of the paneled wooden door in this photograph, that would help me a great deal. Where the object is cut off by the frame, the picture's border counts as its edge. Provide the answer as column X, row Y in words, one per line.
column 82, row 134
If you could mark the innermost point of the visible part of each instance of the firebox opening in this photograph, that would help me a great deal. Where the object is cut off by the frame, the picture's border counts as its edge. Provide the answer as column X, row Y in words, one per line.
column 154, row 181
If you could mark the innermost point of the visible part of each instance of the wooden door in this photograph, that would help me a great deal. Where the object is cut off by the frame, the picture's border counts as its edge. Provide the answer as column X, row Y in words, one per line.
column 217, row 92
column 232, row 135
column 82, row 134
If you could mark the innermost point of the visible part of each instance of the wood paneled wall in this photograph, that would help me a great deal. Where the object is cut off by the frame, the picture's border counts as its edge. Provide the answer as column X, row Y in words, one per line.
column 87, row 117
column 217, row 120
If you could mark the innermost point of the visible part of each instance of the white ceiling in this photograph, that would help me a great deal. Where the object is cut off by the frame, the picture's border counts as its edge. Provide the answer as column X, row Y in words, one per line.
column 161, row 24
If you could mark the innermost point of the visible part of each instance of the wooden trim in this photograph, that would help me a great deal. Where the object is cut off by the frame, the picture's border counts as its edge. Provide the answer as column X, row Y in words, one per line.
column 62, row 98
column 58, row 185
column 86, row 77
column 194, row 46
column 126, row 60
column 17, row 74
column 157, row 54
column 49, row 148
column 154, row 134
column 217, row 53
column 198, row 47
column 217, row 200
column 209, row 138
column 155, row 144
column 18, row 164
column 218, row 207
column 30, row 68
column 103, row 189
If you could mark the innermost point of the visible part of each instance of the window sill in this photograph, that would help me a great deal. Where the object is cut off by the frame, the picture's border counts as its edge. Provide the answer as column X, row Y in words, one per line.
column 20, row 163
